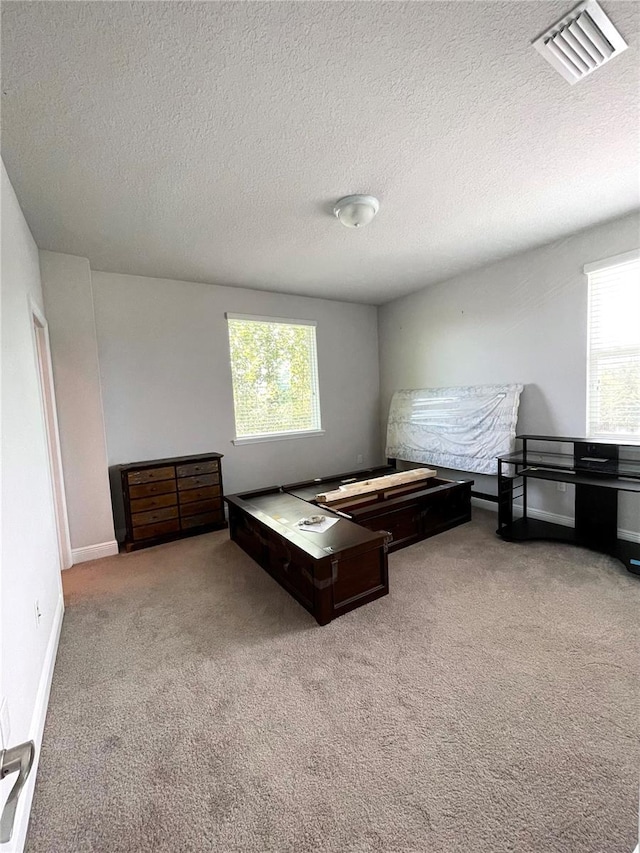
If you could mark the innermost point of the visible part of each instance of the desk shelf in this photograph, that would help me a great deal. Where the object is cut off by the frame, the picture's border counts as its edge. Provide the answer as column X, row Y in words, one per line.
column 619, row 484
column 597, row 469
column 622, row 466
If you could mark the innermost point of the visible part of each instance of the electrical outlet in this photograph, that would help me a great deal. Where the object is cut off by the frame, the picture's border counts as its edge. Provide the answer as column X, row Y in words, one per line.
column 38, row 612
column 5, row 724
column 562, row 487
column 360, row 458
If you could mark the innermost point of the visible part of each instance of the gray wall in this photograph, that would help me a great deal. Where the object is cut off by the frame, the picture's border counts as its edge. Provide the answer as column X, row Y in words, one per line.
column 66, row 284
column 30, row 564
column 166, row 378
column 523, row 319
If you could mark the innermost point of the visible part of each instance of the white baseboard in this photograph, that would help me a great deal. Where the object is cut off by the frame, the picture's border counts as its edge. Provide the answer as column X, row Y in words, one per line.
column 482, row 504
column 94, row 552
column 543, row 515
column 36, row 729
column 555, row 518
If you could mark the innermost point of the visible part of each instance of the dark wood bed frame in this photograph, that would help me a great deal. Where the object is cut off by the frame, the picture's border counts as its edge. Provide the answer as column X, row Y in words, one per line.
column 345, row 567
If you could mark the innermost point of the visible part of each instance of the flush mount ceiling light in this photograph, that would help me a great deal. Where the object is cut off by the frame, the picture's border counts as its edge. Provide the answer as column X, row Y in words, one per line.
column 354, row 211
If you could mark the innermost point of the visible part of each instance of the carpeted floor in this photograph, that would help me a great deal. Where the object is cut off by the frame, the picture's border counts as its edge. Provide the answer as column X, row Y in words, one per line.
column 490, row 703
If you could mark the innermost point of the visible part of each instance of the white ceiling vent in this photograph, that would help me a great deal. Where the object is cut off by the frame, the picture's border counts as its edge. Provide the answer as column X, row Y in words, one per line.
column 580, row 42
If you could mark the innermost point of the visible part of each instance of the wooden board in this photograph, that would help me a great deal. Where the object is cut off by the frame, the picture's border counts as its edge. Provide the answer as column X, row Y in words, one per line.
column 380, row 485
column 424, row 509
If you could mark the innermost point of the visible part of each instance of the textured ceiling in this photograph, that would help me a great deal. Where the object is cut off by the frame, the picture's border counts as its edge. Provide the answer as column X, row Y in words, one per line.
column 208, row 141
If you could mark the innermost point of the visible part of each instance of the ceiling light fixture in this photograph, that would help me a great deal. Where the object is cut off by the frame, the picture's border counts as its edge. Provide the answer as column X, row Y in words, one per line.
column 354, row 211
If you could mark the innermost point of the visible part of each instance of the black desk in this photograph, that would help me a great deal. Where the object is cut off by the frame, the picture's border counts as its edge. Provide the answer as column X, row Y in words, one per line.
column 599, row 470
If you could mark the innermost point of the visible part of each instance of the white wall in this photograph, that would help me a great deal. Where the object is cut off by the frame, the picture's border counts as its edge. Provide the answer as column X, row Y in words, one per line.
column 523, row 319
column 66, row 285
column 30, row 568
column 166, row 378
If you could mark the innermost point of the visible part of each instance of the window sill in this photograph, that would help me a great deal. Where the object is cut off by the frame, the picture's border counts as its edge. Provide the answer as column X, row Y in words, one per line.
column 277, row 436
column 615, row 438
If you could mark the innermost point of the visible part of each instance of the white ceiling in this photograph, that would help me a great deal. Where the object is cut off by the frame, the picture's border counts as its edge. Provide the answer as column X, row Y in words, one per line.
column 208, row 141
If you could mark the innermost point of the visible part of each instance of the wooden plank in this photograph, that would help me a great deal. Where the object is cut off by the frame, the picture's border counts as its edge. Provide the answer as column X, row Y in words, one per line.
column 389, row 483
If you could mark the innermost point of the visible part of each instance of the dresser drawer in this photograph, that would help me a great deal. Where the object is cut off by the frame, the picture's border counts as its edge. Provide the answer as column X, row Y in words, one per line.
column 149, row 489
column 151, row 475
column 194, row 482
column 203, row 494
column 144, row 504
column 198, row 507
column 149, row 531
column 204, row 518
column 154, row 515
column 195, row 468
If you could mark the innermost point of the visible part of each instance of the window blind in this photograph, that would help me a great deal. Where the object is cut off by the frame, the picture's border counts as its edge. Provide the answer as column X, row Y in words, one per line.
column 274, row 368
column 613, row 355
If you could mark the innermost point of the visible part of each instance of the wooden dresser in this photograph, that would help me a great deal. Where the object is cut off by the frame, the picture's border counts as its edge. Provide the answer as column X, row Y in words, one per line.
column 167, row 499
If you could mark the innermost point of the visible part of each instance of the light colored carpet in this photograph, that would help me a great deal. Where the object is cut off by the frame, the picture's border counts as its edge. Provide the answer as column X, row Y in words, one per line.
column 489, row 704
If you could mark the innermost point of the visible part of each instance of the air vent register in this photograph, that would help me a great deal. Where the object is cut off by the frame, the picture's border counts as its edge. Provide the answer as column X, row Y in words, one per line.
column 581, row 42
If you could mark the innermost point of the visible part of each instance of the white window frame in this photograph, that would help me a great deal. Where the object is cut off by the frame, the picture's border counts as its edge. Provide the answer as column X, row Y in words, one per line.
column 291, row 434
column 589, row 269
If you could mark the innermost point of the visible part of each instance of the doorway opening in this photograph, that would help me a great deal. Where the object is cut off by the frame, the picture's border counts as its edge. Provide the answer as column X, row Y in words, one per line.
column 49, row 412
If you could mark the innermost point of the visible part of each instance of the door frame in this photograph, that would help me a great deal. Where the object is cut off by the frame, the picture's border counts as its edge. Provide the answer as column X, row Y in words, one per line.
column 42, row 351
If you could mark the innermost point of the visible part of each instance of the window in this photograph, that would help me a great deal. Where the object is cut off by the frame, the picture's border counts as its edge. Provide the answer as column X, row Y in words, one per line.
column 613, row 354
column 274, row 366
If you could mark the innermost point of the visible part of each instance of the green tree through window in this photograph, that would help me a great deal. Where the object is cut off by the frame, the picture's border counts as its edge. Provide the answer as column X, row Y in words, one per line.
column 275, row 376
